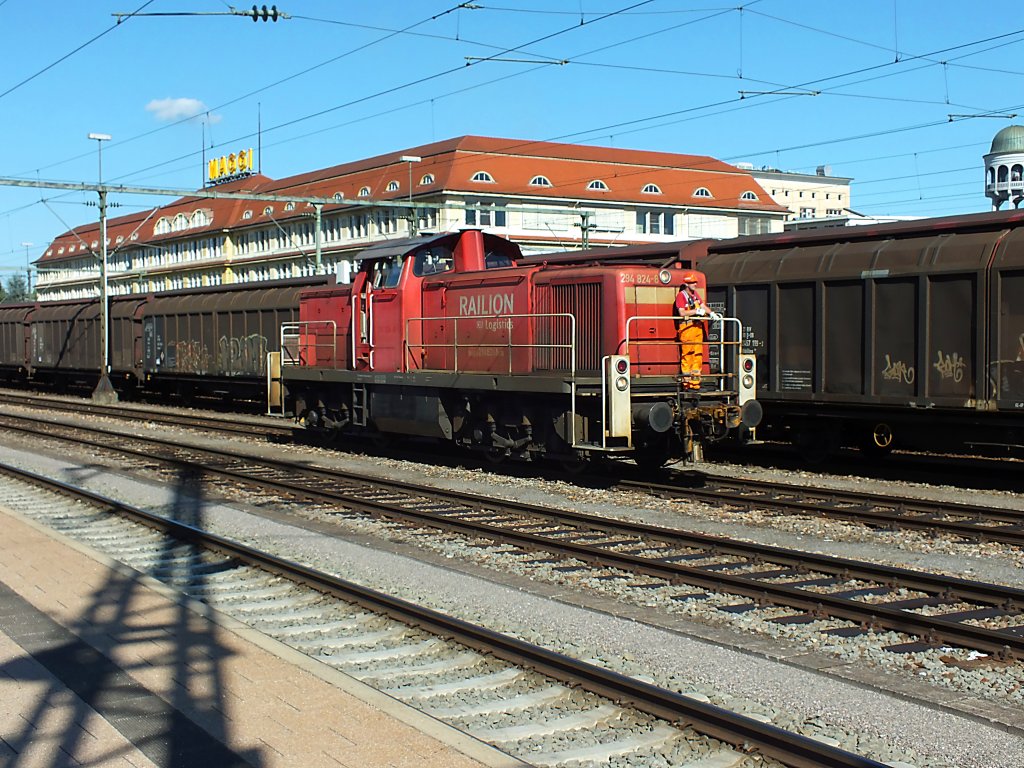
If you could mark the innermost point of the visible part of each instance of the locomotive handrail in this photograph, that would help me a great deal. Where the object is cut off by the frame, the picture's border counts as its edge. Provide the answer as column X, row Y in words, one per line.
column 292, row 346
column 721, row 344
column 454, row 344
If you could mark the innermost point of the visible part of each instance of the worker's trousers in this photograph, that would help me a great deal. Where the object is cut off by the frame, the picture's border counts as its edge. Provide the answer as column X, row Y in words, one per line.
column 691, row 360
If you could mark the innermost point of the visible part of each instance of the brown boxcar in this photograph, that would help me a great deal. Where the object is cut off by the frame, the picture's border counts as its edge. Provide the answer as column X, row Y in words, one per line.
column 907, row 333
column 216, row 340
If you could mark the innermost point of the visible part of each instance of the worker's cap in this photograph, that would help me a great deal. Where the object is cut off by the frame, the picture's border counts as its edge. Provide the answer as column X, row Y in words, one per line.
column 690, row 279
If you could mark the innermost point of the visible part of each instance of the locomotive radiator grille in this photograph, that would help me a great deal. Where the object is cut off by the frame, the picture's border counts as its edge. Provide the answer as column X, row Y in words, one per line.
column 583, row 301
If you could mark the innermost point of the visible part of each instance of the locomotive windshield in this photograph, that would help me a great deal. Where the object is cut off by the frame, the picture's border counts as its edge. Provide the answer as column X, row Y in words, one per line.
column 385, row 273
column 433, row 260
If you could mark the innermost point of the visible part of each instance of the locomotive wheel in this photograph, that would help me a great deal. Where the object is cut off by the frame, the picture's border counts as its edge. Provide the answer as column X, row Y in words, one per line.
column 652, row 458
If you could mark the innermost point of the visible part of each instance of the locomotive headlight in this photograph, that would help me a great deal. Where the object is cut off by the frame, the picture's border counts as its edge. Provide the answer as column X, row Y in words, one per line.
column 665, row 277
column 748, row 381
column 621, row 366
column 748, row 365
column 622, row 383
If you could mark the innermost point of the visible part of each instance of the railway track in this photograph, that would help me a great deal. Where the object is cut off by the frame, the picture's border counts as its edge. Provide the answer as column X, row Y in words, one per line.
column 931, row 609
column 512, row 694
column 968, row 521
column 207, row 421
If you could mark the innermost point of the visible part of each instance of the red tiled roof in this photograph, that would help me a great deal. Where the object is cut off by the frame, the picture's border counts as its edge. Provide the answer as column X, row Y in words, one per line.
column 452, row 163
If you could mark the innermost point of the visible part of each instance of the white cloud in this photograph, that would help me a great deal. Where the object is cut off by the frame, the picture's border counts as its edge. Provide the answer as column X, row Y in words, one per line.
column 169, row 110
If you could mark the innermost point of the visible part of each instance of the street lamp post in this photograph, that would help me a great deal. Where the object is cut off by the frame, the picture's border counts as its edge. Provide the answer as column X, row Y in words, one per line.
column 410, row 159
column 28, row 271
column 104, row 392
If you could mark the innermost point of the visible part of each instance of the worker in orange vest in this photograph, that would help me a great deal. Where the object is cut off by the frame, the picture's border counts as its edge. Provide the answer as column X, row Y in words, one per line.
column 692, row 314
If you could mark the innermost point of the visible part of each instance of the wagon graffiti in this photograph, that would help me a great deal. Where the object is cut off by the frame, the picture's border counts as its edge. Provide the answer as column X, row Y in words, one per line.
column 235, row 354
column 897, row 371
column 246, row 354
column 188, row 356
column 950, row 366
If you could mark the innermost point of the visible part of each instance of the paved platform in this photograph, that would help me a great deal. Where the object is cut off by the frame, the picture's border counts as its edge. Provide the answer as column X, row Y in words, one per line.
column 100, row 666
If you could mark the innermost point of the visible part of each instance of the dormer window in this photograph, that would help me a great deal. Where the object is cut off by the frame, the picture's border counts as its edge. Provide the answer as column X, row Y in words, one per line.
column 483, row 176
column 247, row 214
column 337, row 196
column 428, row 178
column 748, row 196
column 651, row 189
column 120, row 239
column 364, row 191
column 135, row 236
column 289, row 206
column 392, row 186
column 702, row 192
column 268, row 210
column 597, row 186
column 541, row 181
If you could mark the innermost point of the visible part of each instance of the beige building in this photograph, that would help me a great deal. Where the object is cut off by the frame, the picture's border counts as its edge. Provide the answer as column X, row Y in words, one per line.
column 806, row 196
column 544, row 196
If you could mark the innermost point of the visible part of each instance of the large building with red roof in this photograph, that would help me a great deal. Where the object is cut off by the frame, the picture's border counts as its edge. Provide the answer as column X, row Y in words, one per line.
column 545, row 196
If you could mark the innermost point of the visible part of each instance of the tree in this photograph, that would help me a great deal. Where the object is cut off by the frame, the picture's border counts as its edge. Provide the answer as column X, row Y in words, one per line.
column 16, row 289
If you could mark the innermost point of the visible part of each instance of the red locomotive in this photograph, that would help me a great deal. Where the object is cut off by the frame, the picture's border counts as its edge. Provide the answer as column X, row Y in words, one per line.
column 447, row 337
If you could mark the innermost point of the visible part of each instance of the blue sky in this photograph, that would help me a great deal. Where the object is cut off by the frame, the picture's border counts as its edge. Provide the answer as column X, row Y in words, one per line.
column 864, row 87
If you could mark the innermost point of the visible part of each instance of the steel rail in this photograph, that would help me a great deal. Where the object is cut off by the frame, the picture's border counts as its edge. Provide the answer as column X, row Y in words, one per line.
column 201, row 422
column 866, row 507
column 747, row 733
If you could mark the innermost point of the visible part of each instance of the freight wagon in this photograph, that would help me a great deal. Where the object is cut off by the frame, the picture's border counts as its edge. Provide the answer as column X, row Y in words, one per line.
column 906, row 334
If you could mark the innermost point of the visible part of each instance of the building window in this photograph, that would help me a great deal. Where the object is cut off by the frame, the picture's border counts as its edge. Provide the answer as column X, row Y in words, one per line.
column 201, row 218
column 268, row 210
column 651, row 189
column 289, row 206
column 655, row 222
column 751, row 196
column 247, row 214
column 489, row 215
column 483, row 176
column 337, row 196
column 163, row 226
column 428, row 178
column 597, row 185
column 540, row 181
column 364, row 192
column 754, row 225
column 806, row 213
column 834, row 212
column 702, row 192
column 392, row 186
column 180, row 222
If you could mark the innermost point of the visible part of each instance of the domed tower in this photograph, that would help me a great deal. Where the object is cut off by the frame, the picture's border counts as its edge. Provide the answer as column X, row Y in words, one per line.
column 1004, row 167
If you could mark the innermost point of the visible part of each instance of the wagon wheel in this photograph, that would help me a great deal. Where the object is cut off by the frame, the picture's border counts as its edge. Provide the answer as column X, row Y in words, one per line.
column 878, row 441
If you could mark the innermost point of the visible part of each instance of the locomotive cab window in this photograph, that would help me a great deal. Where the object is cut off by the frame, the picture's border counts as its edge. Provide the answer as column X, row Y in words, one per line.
column 496, row 260
column 431, row 261
column 386, row 273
